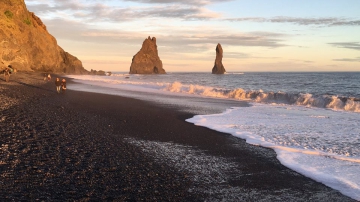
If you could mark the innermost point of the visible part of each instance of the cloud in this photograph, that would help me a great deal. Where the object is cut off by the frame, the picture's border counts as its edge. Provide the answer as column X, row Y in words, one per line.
column 302, row 61
column 176, row 11
column 185, row 2
column 201, row 40
column 103, row 12
column 77, row 24
column 348, row 59
column 43, row 7
column 182, row 2
column 82, row 32
column 242, row 39
column 348, row 45
column 300, row 21
column 236, row 55
column 347, row 23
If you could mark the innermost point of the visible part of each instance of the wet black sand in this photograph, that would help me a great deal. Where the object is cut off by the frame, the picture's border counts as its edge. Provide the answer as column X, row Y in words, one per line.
column 82, row 146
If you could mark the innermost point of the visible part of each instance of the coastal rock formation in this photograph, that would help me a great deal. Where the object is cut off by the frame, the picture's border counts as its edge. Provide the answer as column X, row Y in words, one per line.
column 99, row 73
column 147, row 60
column 26, row 44
column 218, row 67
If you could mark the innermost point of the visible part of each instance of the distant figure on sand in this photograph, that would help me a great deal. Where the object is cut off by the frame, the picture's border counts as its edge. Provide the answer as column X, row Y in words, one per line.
column 7, row 73
column 63, row 85
column 11, row 69
column 49, row 77
column 58, row 85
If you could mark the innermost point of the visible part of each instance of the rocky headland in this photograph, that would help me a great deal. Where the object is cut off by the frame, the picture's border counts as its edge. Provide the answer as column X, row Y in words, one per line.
column 218, row 67
column 26, row 44
column 147, row 60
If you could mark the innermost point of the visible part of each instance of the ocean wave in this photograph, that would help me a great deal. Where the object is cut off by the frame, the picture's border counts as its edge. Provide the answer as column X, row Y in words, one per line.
column 120, row 75
column 334, row 102
column 304, row 99
column 234, row 73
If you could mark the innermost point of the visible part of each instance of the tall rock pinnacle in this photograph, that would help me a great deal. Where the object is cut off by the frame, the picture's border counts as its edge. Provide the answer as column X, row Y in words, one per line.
column 147, row 60
column 218, row 67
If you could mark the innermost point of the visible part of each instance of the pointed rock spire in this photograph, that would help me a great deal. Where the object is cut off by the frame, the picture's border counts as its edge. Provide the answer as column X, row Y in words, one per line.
column 218, row 67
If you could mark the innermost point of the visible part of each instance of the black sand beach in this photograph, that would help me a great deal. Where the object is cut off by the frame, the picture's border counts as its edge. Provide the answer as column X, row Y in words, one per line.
column 82, row 146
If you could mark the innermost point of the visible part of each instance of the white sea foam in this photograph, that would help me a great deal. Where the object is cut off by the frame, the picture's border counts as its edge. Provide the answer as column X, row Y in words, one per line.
column 234, row 73
column 144, row 83
column 324, row 101
column 321, row 144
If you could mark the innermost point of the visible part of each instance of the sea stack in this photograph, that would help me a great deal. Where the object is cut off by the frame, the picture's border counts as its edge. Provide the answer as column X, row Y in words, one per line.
column 147, row 60
column 26, row 44
column 218, row 67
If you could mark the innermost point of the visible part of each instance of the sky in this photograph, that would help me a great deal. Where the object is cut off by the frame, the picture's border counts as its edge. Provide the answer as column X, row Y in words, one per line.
column 256, row 35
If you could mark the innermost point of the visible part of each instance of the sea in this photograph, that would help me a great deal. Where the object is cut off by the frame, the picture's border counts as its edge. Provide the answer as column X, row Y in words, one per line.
column 310, row 119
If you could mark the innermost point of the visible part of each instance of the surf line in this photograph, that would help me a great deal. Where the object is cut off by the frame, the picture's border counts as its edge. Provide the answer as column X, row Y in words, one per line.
column 318, row 153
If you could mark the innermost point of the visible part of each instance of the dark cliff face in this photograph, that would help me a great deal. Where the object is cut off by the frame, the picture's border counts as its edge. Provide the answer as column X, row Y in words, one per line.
column 147, row 60
column 26, row 44
column 218, row 67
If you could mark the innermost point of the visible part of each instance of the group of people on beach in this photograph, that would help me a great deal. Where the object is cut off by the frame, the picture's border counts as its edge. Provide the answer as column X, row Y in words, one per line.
column 60, row 85
column 47, row 77
column 7, row 71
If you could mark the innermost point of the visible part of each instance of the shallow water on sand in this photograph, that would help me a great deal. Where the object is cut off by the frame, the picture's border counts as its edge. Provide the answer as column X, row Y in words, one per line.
column 321, row 144
column 311, row 120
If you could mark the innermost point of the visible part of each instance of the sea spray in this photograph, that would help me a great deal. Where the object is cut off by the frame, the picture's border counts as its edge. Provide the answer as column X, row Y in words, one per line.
column 245, row 88
column 309, row 100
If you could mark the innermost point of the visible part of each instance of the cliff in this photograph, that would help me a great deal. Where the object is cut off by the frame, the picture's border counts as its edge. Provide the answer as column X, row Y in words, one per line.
column 147, row 60
column 26, row 44
column 218, row 66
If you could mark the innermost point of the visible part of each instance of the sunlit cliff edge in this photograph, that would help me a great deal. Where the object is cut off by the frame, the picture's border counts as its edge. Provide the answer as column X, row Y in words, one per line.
column 26, row 44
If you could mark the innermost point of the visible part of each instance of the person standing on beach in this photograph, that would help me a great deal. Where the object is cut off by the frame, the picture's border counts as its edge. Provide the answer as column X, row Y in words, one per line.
column 58, row 85
column 49, row 77
column 11, row 69
column 7, row 74
column 63, row 85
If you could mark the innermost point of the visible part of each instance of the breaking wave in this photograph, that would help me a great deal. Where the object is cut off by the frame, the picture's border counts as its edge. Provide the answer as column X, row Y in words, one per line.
column 304, row 99
column 140, row 82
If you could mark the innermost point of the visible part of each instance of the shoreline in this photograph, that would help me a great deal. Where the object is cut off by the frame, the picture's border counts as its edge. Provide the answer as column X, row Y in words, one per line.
column 88, row 146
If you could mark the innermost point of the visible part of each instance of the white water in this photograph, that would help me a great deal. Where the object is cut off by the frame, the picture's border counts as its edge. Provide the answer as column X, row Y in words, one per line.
column 229, row 89
column 321, row 144
column 315, row 134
